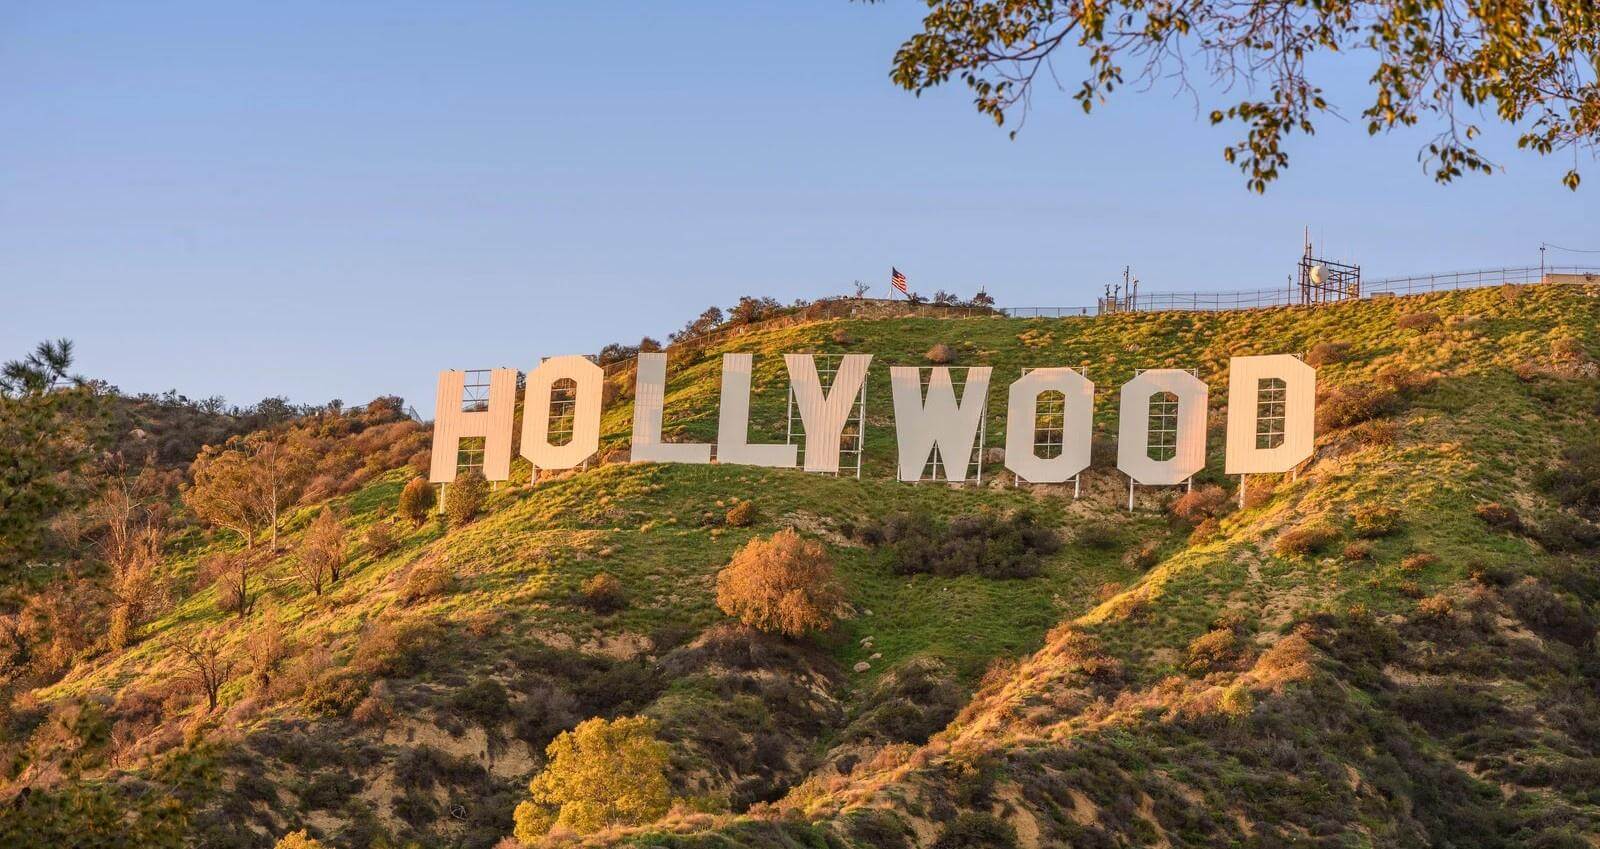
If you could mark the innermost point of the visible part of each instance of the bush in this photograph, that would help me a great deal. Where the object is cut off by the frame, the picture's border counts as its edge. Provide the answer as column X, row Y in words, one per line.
column 298, row 840
column 1421, row 322
column 428, row 579
column 1327, row 353
column 1575, row 480
column 1374, row 521
column 1198, row 505
column 381, row 539
column 1498, row 516
column 464, row 498
column 1212, row 650
column 603, row 593
column 1344, row 406
column 993, row 544
column 940, row 354
column 1417, row 562
column 1357, row 551
column 741, row 515
column 417, row 500
column 974, row 830
column 1305, row 539
column 602, row 773
column 782, row 584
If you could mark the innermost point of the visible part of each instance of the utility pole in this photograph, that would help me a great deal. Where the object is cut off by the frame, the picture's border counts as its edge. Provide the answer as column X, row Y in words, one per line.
column 1541, row 261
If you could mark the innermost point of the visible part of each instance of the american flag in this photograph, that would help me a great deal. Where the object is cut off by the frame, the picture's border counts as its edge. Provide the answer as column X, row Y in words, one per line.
column 898, row 280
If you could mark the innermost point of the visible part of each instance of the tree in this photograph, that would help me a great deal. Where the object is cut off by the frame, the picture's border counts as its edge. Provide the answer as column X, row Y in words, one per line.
column 783, row 584
column 130, row 546
column 206, row 663
column 321, row 552
column 52, row 428
column 282, row 471
column 601, row 773
column 417, row 500
column 464, row 497
column 232, row 572
column 245, row 485
column 223, row 492
column 39, row 372
column 1529, row 64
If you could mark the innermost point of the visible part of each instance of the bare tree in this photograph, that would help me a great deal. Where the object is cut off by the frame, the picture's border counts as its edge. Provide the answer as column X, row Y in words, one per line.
column 232, row 571
column 131, row 549
column 206, row 663
column 321, row 552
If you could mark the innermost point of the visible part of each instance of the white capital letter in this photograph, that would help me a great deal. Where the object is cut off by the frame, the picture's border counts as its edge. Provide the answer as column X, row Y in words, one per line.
column 1133, row 429
column 733, row 421
column 649, row 397
column 492, row 422
column 1077, row 425
column 824, row 415
column 940, row 422
column 1272, row 404
column 587, row 379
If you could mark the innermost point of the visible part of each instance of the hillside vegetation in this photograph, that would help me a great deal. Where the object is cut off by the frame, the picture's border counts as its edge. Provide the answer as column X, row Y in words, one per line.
column 1394, row 646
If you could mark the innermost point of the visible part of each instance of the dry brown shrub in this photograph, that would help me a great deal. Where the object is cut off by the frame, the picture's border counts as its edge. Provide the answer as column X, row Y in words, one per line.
column 1358, row 551
column 1288, row 660
column 428, row 579
column 1436, row 607
column 741, row 515
column 1306, row 539
column 1212, row 650
column 940, row 354
column 1344, row 406
column 1205, row 532
column 1421, row 322
column 782, row 584
column 382, row 539
column 1327, row 353
column 1197, row 505
column 1417, row 562
column 603, row 593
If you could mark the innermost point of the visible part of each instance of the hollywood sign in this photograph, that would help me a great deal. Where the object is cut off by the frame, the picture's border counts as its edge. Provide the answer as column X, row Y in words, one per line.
column 1270, row 429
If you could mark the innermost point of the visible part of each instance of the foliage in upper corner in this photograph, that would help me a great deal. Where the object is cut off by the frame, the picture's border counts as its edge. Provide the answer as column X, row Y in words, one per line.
column 1529, row 64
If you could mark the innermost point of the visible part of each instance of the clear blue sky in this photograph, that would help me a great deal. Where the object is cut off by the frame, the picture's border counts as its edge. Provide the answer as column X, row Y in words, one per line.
column 280, row 198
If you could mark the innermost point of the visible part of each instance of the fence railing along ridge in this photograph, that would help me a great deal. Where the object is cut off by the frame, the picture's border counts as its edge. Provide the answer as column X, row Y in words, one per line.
column 1198, row 302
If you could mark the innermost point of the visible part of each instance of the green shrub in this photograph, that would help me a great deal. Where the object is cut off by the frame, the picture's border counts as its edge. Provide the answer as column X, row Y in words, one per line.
column 1306, row 539
column 603, row 593
column 1375, row 520
column 464, row 497
column 973, row 830
column 417, row 500
column 602, row 773
column 990, row 543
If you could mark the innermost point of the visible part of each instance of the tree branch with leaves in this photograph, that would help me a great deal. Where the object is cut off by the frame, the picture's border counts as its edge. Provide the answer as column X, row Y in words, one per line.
column 1528, row 64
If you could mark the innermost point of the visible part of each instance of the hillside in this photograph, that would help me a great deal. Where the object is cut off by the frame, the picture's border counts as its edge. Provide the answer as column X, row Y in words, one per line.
column 1393, row 647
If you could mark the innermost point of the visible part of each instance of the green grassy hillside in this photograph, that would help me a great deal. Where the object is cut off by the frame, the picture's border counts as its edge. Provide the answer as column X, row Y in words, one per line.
column 1366, row 654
